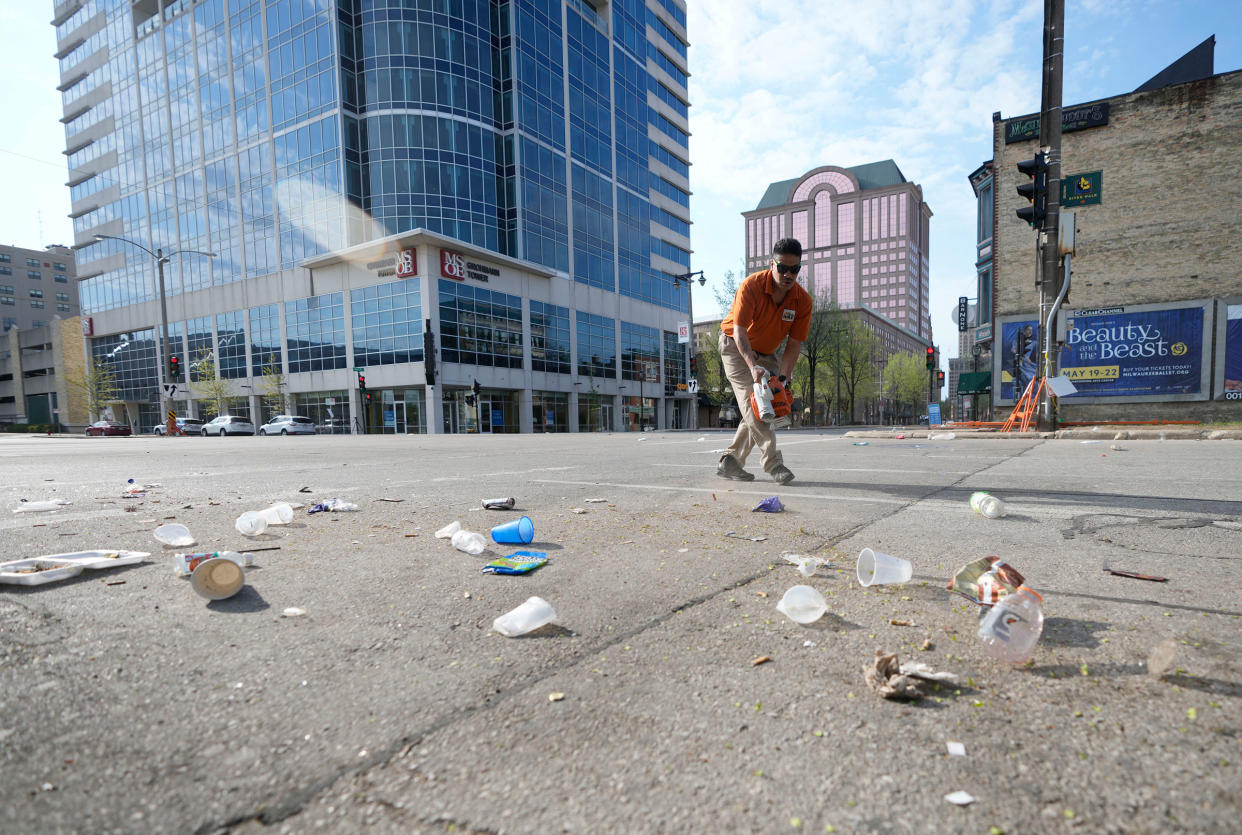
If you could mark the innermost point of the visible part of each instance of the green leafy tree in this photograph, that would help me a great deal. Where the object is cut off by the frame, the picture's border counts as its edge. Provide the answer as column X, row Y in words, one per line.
column 858, row 348
column 97, row 386
column 905, row 382
column 819, row 348
column 272, row 388
column 215, row 391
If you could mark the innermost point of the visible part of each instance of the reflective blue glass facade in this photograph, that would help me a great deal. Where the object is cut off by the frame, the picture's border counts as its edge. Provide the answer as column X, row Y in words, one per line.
column 387, row 324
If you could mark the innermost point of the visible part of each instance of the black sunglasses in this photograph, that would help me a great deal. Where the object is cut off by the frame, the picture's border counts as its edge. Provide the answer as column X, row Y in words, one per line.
column 785, row 269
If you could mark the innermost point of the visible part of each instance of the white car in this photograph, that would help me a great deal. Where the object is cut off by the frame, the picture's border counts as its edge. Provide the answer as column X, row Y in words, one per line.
column 228, row 425
column 288, row 425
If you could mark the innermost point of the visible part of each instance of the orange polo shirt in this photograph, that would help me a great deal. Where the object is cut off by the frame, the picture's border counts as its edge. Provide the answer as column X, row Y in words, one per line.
column 765, row 321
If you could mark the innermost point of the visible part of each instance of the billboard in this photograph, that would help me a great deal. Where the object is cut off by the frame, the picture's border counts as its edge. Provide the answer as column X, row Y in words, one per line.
column 1155, row 352
column 1229, row 348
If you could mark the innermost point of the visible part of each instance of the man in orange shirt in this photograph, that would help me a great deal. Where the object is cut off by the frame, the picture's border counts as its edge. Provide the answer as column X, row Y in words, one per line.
column 769, row 306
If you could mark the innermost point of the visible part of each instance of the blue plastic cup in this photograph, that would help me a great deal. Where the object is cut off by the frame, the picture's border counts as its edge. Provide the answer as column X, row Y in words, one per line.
column 518, row 532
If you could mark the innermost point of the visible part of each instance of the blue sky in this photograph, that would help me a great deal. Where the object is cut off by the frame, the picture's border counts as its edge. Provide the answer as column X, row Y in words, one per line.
column 778, row 87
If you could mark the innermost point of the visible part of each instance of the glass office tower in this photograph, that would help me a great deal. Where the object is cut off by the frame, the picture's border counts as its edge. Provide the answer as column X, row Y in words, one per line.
column 551, row 134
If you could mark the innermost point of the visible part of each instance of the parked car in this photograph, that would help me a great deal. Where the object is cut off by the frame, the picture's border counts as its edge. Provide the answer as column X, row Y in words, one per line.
column 108, row 427
column 190, row 426
column 228, row 425
column 288, row 425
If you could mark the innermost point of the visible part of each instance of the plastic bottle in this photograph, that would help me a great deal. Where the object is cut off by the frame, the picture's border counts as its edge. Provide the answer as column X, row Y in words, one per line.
column 250, row 524
column 339, row 505
column 988, row 505
column 469, row 541
column 1012, row 628
column 763, row 400
column 281, row 513
column 132, row 488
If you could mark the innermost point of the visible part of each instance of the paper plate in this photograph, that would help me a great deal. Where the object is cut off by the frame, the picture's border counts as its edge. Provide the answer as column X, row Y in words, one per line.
column 36, row 571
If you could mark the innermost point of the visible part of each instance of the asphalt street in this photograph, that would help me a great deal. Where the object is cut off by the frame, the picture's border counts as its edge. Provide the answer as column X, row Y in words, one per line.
column 128, row 703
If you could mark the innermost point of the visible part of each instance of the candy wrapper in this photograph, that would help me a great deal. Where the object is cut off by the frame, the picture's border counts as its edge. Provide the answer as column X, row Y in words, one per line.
column 772, row 504
column 986, row 580
column 519, row 562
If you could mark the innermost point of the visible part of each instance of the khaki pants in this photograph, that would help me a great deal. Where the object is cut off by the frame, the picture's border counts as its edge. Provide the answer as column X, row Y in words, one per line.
column 751, row 432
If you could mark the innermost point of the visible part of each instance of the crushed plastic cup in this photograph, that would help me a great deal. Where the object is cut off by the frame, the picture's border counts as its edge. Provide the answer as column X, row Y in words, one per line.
column 281, row 513
column 469, row 541
column 250, row 523
column 448, row 530
column 178, row 536
column 518, row 532
column 531, row 615
column 987, row 505
column 877, row 569
column 41, row 507
column 802, row 604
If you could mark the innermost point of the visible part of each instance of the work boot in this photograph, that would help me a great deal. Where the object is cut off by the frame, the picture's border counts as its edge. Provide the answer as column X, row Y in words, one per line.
column 729, row 468
column 781, row 474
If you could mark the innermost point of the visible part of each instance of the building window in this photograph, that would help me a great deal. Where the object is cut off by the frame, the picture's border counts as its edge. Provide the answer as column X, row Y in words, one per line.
column 32, row 262
column 597, row 346
column 36, row 304
column 640, row 353
column 6, row 270
column 983, row 312
column 5, row 258
column 985, row 213
column 60, row 297
column 34, row 274
column 36, row 293
column 549, row 338
column 480, row 326
column 674, row 363
column 58, row 267
column 315, row 333
column 550, row 411
column 6, row 288
column 265, row 339
column 387, row 323
column 9, row 300
column 231, row 344
column 61, row 279
column 63, row 308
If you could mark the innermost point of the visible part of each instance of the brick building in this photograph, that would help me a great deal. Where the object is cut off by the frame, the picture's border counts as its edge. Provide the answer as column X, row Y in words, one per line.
column 1157, row 272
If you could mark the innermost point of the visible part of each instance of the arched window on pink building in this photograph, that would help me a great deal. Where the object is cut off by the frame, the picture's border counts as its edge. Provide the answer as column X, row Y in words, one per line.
column 835, row 179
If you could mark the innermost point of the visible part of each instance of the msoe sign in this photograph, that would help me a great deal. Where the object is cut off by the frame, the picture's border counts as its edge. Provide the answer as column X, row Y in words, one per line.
column 455, row 266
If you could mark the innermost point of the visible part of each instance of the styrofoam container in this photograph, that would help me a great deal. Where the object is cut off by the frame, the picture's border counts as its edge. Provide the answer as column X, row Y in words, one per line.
column 65, row 565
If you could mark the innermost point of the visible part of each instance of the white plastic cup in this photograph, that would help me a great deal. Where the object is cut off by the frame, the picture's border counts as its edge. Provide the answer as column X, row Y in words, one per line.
column 250, row 523
column 469, row 541
column 802, row 604
column 280, row 513
column 219, row 578
column 877, row 569
column 448, row 530
column 531, row 615
column 987, row 505
column 177, row 536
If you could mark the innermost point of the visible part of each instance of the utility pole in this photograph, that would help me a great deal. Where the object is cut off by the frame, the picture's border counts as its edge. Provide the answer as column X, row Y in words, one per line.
column 1048, row 278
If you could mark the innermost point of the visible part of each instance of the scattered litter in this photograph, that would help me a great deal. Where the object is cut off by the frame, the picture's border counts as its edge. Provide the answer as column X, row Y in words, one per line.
column 1117, row 572
column 594, row 501
column 251, row 523
column 986, row 580
column 761, row 594
column 220, row 578
column 304, row 490
column 336, row 505
column 915, row 669
column 900, row 623
column 806, row 565
column 927, row 646
column 701, row 440
column 115, row 583
column 178, row 536
column 737, row 535
column 1118, row 448
column 862, row 443
column 772, row 504
column 409, row 535
column 499, row 504
column 578, row 510
column 942, row 436
column 517, row 532
column 1161, row 658
column 48, row 569
column 41, row 507
column 466, row 595
column 876, row 569
column 987, row 505
column 556, row 697
column 959, row 799
column 389, row 500
column 469, row 541
column 956, row 749
column 47, row 787
column 1012, row 628
column 682, row 550
column 901, row 437
column 264, row 548
column 448, row 530
column 640, row 440
column 763, row 659
column 292, row 612
column 724, row 449
column 185, row 564
column 1089, row 442
column 531, row 615
column 519, row 562
column 808, row 643
column 802, row 604
column 884, row 676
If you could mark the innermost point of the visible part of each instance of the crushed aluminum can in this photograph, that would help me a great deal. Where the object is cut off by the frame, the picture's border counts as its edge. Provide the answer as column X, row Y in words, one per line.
column 499, row 504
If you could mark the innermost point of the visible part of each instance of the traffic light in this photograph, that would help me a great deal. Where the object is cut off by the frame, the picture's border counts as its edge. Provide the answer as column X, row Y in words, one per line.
column 1036, row 190
column 475, row 388
column 174, row 368
column 362, row 387
column 694, row 366
column 940, row 379
column 931, row 357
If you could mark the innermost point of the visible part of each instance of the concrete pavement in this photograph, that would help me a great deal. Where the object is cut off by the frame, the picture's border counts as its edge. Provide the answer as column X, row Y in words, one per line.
column 392, row 705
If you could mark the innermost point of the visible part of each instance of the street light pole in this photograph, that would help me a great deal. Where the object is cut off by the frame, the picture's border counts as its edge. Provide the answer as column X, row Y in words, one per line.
column 686, row 277
column 162, row 343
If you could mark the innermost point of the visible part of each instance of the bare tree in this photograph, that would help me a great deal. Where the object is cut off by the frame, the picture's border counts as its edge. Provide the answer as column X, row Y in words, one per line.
column 208, row 386
column 97, row 385
column 827, row 324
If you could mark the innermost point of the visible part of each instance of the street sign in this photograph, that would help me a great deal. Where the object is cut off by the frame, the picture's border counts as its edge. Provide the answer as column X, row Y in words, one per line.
column 692, row 385
column 933, row 414
column 359, row 370
column 963, row 307
column 683, row 332
column 172, row 391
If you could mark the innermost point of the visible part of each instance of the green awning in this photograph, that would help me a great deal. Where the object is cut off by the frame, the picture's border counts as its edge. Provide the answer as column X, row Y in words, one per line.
column 974, row 382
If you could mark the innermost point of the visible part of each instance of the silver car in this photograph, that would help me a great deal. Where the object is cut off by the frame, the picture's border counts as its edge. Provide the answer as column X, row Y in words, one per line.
column 288, row 425
column 228, row 425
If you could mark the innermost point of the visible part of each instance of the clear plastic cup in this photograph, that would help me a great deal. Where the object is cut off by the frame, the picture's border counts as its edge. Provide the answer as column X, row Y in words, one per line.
column 531, row 615
column 250, row 523
column 280, row 513
column 448, row 530
column 876, row 569
column 469, row 541
column 175, row 535
column 802, row 604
